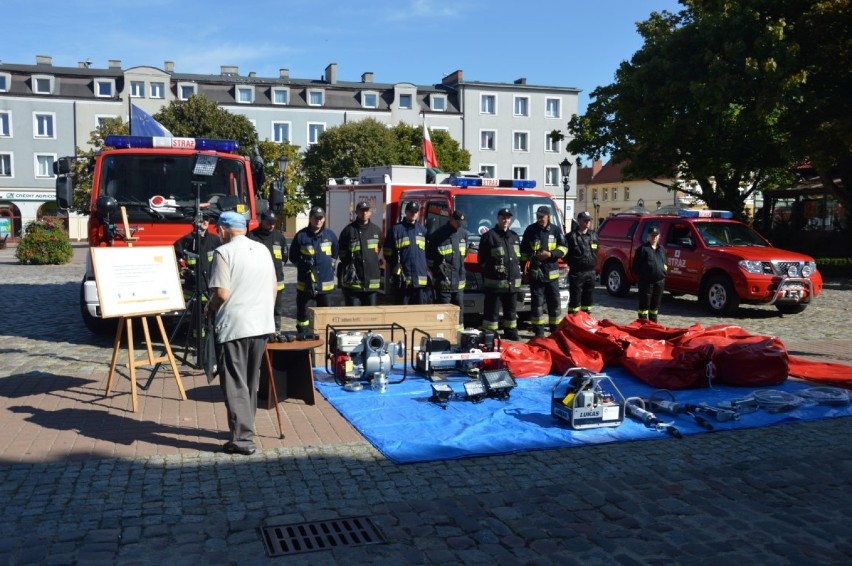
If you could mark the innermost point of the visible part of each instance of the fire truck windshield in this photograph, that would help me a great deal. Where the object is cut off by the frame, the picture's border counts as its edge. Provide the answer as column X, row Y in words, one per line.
column 481, row 211
column 153, row 187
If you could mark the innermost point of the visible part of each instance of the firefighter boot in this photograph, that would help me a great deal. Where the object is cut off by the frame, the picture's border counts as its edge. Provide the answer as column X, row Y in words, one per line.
column 538, row 330
column 511, row 334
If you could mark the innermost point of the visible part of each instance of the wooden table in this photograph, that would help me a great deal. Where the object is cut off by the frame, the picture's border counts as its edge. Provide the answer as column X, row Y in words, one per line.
column 291, row 365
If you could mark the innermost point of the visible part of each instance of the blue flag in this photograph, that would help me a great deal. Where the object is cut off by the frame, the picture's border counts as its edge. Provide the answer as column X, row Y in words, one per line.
column 143, row 124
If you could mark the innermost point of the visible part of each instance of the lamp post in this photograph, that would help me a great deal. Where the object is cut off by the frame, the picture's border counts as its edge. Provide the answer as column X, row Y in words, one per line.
column 565, row 168
column 659, row 204
column 597, row 205
column 283, row 162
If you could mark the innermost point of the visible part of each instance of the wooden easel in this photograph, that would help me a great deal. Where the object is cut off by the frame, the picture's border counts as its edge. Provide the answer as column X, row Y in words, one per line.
column 127, row 321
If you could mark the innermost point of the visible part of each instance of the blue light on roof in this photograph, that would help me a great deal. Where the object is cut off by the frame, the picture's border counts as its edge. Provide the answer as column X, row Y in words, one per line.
column 199, row 144
column 725, row 214
column 467, row 182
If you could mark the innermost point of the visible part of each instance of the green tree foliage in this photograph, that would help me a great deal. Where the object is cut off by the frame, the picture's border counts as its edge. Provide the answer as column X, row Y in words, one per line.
column 200, row 117
column 83, row 168
column 723, row 93
column 44, row 243
column 341, row 151
column 295, row 200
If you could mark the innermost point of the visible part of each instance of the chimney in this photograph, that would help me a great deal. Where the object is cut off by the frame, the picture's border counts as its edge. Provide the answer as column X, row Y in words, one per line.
column 283, row 73
column 367, row 77
column 331, row 73
column 252, row 74
column 82, row 65
column 597, row 165
column 169, row 66
column 453, row 78
column 521, row 81
column 230, row 69
column 114, row 63
column 44, row 60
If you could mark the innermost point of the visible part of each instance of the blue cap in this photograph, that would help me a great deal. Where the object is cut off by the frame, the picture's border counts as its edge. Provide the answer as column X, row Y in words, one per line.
column 231, row 219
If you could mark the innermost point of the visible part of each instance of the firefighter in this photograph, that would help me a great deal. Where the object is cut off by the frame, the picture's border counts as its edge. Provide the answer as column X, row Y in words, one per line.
column 541, row 247
column 360, row 245
column 314, row 253
column 405, row 254
column 649, row 265
column 499, row 258
column 185, row 249
column 276, row 243
column 581, row 258
column 445, row 251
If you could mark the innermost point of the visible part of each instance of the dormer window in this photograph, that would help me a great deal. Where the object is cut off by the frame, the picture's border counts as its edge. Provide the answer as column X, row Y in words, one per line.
column 438, row 102
column 245, row 94
column 280, row 96
column 104, row 88
column 42, row 84
column 185, row 90
column 370, row 99
column 316, row 97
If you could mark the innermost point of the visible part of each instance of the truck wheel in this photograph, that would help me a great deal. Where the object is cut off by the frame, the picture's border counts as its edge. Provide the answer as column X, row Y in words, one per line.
column 615, row 280
column 99, row 326
column 791, row 309
column 719, row 296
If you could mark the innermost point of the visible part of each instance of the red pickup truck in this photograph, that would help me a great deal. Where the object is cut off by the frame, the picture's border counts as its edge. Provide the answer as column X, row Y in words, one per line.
column 722, row 261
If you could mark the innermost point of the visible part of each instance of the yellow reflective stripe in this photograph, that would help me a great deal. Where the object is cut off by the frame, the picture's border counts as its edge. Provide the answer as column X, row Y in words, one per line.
column 326, row 248
column 562, row 249
column 421, row 280
column 306, row 250
column 281, row 286
column 553, row 275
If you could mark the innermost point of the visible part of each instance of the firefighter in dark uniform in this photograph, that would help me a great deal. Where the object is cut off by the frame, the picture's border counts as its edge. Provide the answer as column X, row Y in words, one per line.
column 445, row 251
column 649, row 265
column 185, row 249
column 581, row 258
column 360, row 245
column 499, row 257
column 405, row 254
column 276, row 243
column 314, row 253
column 541, row 247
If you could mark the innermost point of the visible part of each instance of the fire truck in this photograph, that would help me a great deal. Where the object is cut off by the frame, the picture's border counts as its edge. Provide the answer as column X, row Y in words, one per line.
column 388, row 189
column 162, row 184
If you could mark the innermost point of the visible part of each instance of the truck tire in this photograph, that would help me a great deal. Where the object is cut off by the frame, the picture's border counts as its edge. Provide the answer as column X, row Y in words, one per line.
column 791, row 309
column 719, row 296
column 615, row 280
column 98, row 326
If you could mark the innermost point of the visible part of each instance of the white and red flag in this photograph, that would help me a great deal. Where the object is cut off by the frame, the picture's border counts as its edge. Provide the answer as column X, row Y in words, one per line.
column 429, row 159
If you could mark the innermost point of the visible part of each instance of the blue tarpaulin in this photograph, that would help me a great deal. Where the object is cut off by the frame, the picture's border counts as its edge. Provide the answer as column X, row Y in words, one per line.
column 406, row 427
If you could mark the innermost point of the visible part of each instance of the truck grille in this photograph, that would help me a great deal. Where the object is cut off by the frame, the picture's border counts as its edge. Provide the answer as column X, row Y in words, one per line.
column 783, row 268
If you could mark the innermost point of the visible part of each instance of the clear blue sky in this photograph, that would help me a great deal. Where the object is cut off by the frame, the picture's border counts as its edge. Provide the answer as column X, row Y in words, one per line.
column 570, row 43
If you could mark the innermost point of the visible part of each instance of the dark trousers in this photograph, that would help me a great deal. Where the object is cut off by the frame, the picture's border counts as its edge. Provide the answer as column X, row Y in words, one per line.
column 541, row 295
column 412, row 296
column 280, row 309
column 352, row 298
column 650, row 297
column 493, row 301
column 451, row 298
column 581, row 284
column 302, row 300
column 239, row 375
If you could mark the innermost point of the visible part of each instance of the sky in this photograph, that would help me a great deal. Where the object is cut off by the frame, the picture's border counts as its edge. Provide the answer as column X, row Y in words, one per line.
column 565, row 43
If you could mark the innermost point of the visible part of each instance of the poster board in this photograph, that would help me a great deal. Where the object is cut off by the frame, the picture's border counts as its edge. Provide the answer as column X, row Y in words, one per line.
column 137, row 281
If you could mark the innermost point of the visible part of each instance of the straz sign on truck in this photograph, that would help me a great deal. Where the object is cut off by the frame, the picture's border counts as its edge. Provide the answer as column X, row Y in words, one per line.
column 389, row 188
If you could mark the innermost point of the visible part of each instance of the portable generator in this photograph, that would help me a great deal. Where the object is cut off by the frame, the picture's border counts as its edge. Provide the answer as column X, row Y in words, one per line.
column 585, row 399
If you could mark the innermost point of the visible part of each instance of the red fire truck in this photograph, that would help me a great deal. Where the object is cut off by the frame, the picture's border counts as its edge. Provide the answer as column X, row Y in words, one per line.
column 388, row 189
column 162, row 184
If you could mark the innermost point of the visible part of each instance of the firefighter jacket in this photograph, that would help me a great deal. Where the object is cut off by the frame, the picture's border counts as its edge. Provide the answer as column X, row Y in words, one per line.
column 445, row 251
column 185, row 249
column 359, row 256
column 405, row 253
column 582, row 251
column 314, row 254
column 499, row 256
column 537, row 239
column 276, row 243
column 649, row 265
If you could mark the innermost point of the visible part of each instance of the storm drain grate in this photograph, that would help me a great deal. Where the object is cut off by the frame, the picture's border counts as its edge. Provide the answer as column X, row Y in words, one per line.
column 297, row 538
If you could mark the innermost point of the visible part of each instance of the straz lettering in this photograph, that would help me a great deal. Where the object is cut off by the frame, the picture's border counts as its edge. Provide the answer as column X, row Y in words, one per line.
column 678, row 263
column 183, row 143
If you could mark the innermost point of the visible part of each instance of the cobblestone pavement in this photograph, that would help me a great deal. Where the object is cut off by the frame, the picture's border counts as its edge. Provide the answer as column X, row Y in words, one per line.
column 85, row 481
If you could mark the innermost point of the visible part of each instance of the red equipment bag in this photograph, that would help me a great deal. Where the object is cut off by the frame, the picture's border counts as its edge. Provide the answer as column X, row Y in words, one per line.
column 526, row 360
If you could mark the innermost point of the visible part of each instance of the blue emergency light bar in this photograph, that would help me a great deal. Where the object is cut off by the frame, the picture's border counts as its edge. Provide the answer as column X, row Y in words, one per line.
column 200, row 144
column 725, row 214
column 467, row 182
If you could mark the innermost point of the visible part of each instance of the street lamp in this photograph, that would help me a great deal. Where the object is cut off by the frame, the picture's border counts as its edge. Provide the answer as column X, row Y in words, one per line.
column 565, row 168
column 597, row 205
column 659, row 204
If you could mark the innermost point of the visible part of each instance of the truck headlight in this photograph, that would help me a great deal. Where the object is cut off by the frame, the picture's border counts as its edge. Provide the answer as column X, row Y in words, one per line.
column 809, row 268
column 752, row 266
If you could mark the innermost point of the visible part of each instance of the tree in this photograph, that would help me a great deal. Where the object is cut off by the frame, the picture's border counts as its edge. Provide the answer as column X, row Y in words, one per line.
column 200, row 117
column 295, row 200
column 710, row 97
column 82, row 170
column 341, row 151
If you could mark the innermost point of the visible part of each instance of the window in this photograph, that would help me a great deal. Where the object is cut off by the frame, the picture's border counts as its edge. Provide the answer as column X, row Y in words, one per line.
column 280, row 132
column 5, row 165
column 615, row 194
column 552, row 108
column 137, row 89
column 101, row 119
column 594, row 194
column 439, row 102
column 5, row 124
column 369, row 100
column 437, row 214
column 316, row 97
column 488, row 139
column 522, row 106
column 405, row 101
column 488, row 104
column 280, row 96
column 605, row 193
column 519, row 172
column 44, row 165
column 43, row 125
column 550, row 146
column 104, row 88
column 158, row 90
column 488, row 171
column 551, row 176
column 520, row 141
column 314, row 132
column 5, row 81
column 185, row 90
column 245, row 94
column 626, row 193
column 42, row 84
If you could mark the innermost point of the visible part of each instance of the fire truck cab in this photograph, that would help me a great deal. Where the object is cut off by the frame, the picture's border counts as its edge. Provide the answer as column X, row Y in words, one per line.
column 388, row 189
